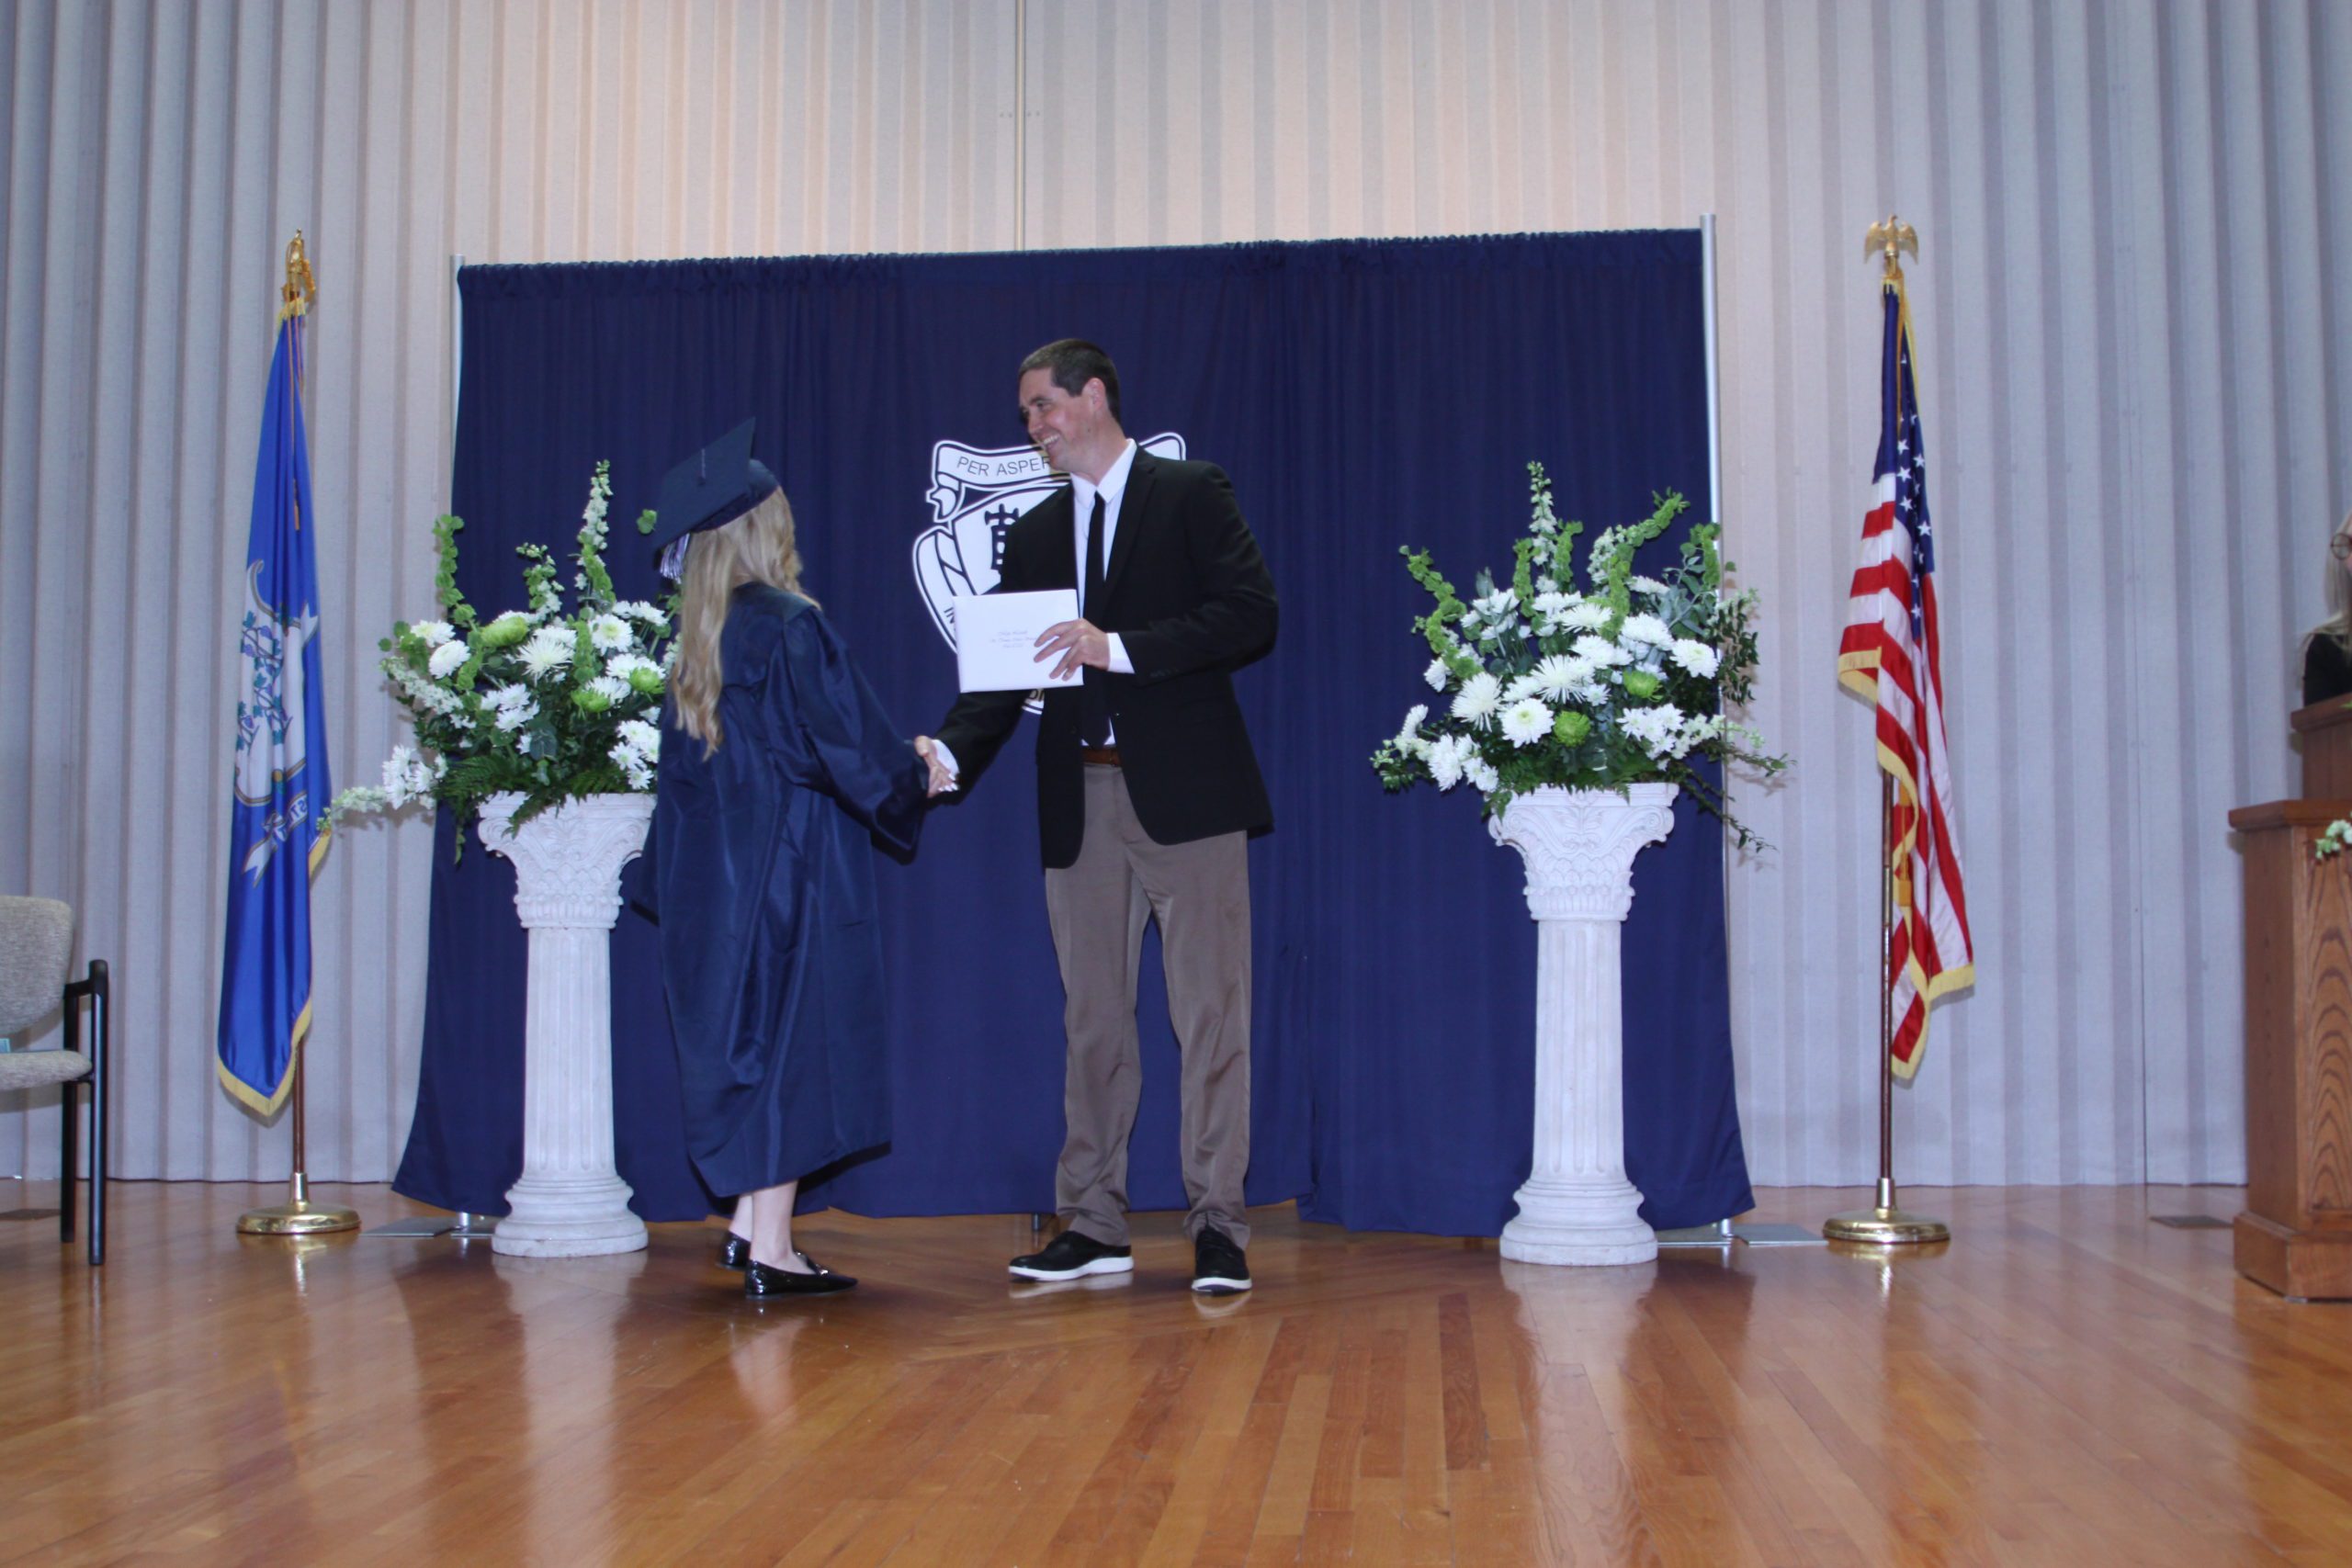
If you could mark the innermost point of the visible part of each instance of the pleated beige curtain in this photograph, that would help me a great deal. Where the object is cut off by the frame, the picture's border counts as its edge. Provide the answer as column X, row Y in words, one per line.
column 2131, row 309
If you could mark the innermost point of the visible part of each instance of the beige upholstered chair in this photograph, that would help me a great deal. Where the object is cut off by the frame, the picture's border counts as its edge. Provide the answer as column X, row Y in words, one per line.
column 36, row 952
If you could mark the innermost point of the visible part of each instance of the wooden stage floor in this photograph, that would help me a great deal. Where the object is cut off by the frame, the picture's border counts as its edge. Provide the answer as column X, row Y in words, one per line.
column 2065, row 1382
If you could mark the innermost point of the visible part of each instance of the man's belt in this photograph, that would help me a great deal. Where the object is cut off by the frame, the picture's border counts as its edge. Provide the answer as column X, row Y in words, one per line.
column 1101, row 756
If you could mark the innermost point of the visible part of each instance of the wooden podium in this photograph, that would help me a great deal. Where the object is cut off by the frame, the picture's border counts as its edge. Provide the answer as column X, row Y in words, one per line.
column 2296, row 1232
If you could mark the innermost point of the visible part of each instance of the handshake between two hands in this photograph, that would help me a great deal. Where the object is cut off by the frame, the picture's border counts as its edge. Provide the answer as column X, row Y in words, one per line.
column 942, row 781
column 1071, row 643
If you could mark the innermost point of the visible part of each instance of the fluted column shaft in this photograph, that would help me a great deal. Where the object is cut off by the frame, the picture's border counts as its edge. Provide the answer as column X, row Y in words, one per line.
column 1578, row 845
column 571, row 1200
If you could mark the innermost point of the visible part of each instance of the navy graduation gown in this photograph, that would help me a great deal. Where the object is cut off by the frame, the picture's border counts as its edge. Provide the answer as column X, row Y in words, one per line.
column 760, row 869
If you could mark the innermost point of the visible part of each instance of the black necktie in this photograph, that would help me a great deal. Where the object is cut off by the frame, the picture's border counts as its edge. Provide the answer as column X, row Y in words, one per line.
column 1093, row 702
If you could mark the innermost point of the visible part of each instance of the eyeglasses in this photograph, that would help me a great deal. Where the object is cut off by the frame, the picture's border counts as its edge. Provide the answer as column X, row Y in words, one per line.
column 2340, row 547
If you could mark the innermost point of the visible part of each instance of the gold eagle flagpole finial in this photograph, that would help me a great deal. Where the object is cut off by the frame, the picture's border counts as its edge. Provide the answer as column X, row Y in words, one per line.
column 301, row 289
column 1887, row 240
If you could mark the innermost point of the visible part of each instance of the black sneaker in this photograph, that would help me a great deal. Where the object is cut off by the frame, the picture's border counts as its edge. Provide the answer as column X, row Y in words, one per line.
column 1070, row 1255
column 1219, row 1268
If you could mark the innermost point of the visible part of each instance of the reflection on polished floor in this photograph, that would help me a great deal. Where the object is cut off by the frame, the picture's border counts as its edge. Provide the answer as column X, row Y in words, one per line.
column 2065, row 1382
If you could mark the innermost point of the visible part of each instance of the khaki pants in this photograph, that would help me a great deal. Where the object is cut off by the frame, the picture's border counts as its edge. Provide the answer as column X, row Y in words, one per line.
column 1199, row 893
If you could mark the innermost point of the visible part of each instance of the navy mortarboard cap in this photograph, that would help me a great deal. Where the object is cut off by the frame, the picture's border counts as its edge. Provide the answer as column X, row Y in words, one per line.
column 713, row 487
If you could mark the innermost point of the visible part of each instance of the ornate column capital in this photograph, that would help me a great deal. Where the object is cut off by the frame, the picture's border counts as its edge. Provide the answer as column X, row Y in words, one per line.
column 1579, row 844
column 568, row 859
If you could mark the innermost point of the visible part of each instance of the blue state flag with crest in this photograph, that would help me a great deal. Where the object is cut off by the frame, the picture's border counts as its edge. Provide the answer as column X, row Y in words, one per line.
column 276, row 843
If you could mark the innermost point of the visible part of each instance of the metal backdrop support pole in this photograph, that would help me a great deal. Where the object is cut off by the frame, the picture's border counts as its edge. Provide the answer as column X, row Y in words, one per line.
column 1020, row 124
column 1885, row 1223
column 1715, row 382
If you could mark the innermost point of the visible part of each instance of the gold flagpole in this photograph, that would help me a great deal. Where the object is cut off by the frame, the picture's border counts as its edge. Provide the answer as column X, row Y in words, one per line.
column 298, row 1216
column 1885, row 1223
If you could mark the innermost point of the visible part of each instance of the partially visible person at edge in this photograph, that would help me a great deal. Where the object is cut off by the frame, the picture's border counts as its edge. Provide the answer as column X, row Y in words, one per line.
column 2328, row 647
column 779, row 772
column 1147, row 792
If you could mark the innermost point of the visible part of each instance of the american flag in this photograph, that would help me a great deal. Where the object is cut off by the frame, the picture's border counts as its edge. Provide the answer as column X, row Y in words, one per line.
column 1890, row 654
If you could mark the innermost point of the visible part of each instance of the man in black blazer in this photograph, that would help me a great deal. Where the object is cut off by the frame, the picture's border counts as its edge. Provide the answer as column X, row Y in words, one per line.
column 1148, row 791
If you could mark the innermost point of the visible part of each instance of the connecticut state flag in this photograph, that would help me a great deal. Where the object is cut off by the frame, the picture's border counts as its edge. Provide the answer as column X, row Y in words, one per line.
column 275, row 844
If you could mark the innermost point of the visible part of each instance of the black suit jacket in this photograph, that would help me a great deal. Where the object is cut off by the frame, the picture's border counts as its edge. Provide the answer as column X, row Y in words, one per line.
column 1188, row 593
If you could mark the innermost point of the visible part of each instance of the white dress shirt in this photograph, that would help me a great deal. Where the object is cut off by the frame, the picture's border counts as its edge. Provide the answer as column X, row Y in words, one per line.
column 1112, row 488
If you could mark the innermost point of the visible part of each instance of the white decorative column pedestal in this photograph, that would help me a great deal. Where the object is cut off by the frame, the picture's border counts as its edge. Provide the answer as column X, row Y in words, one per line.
column 570, row 1201
column 1579, row 846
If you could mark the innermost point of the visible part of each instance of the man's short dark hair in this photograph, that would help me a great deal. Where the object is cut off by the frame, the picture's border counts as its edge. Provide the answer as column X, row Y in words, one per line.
column 1074, row 362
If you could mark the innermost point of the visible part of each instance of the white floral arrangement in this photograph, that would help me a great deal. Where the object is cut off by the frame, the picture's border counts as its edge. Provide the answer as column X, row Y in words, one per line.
column 549, row 703
column 1621, row 682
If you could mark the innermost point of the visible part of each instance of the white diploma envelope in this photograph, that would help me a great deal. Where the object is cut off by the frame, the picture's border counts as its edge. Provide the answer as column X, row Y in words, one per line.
column 996, row 640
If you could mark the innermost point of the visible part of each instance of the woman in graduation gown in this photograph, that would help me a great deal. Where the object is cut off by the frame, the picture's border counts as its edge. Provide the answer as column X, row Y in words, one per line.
column 779, row 772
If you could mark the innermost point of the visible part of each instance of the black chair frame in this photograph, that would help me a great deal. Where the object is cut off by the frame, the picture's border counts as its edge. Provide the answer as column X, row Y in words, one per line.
column 96, row 988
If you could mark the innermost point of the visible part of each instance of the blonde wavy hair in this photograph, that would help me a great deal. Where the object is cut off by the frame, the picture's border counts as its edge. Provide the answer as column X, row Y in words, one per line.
column 756, row 547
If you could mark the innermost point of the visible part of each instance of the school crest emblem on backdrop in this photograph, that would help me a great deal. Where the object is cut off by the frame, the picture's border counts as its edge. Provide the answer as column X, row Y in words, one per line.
column 976, row 495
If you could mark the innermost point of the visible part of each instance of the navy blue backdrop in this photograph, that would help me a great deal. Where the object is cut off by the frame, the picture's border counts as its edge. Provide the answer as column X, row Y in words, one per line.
column 1361, row 395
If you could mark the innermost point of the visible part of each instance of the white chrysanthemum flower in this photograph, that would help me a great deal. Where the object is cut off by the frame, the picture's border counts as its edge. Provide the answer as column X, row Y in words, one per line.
column 1445, row 759
column 1556, row 677
column 1526, row 721
column 1659, row 729
column 635, row 751
column 1696, row 657
column 1599, row 652
column 435, row 633
column 408, row 777
column 1522, row 687
column 610, row 687
column 621, row 666
column 1476, row 703
column 1584, row 615
column 642, row 737
column 446, row 659
column 1481, row 772
column 638, row 610
column 1640, row 585
column 547, row 651
column 1411, row 728
column 514, row 715
column 609, row 632
column 1437, row 675
column 1547, row 585
column 1646, row 630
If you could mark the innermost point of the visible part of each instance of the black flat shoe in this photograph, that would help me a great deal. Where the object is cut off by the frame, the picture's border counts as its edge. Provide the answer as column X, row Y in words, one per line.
column 762, row 1284
column 735, row 1253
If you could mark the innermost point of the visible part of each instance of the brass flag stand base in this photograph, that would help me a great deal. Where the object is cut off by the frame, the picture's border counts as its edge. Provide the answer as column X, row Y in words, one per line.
column 1886, row 1225
column 300, row 1217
